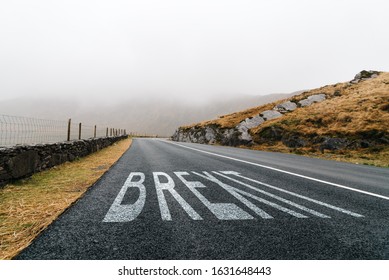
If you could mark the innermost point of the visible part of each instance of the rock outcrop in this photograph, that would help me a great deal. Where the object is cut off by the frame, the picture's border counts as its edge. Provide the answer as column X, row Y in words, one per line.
column 240, row 134
column 247, row 124
column 285, row 107
column 364, row 75
column 308, row 129
column 312, row 99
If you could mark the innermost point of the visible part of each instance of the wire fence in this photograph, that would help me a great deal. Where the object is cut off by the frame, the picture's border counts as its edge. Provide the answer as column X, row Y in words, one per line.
column 15, row 130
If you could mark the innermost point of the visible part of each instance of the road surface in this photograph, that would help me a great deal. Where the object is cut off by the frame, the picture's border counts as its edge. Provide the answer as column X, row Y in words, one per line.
column 169, row 200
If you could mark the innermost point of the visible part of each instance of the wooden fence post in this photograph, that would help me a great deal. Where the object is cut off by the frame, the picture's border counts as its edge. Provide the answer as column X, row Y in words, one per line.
column 94, row 133
column 69, row 124
column 106, row 133
column 79, row 131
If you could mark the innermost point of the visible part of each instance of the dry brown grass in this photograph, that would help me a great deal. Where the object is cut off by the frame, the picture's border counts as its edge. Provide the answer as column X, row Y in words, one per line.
column 29, row 206
column 350, row 110
column 234, row 119
column 361, row 107
column 361, row 156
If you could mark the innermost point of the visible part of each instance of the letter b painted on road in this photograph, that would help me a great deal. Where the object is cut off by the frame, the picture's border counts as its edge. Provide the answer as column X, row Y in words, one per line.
column 127, row 212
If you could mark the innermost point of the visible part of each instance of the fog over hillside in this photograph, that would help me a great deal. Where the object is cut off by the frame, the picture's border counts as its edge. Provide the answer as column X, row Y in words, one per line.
column 152, row 116
column 151, row 66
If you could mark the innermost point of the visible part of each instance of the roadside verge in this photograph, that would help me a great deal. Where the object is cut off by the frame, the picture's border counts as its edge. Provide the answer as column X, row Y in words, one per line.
column 28, row 206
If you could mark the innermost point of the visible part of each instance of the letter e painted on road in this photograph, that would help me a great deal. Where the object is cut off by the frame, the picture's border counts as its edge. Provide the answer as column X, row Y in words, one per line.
column 222, row 211
column 127, row 212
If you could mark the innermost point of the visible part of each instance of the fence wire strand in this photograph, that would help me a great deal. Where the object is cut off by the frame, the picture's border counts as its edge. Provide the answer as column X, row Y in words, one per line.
column 16, row 130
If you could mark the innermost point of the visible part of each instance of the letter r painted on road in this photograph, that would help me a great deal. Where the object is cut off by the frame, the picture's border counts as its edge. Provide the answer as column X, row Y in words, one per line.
column 127, row 212
column 169, row 186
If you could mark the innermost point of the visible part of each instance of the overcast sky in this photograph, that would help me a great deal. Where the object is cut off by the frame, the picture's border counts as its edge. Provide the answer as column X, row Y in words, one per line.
column 193, row 49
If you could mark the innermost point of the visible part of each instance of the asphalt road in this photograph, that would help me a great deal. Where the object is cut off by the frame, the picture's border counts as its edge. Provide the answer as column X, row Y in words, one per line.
column 168, row 200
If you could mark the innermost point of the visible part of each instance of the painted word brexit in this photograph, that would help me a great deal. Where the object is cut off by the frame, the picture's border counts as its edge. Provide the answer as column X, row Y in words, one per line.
column 253, row 191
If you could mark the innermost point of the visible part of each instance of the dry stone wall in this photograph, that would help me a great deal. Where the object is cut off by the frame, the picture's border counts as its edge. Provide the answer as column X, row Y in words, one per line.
column 22, row 161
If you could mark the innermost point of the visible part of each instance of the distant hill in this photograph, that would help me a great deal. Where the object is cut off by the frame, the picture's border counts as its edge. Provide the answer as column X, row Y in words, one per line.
column 347, row 121
column 152, row 116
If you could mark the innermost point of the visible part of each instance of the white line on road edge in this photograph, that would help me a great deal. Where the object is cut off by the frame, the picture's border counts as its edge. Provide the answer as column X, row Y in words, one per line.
column 282, row 171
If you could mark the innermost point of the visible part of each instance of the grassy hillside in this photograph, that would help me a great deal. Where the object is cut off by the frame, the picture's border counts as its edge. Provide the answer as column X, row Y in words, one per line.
column 352, row 124
column 350, row 109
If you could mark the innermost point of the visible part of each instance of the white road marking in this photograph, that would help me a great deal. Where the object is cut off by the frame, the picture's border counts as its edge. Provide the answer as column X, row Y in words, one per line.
column 126, row 213
column 295, row 194
column 237, row 193
column 169, row 186
column 223, row 211
column 119, row 212
column 313, row 212
column 282, row 171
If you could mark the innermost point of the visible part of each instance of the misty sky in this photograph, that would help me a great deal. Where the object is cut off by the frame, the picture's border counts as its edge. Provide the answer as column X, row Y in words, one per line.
column 110, row 50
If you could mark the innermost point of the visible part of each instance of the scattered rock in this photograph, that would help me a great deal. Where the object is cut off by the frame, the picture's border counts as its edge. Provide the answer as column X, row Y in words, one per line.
column 312, row 99
column 210, row 135
column 230, row 137
column 383, row 140
column 333, row 144
column 247, row 124
column 252, row 122
column 385, row 107
column 364, row 75
column 270, row 114
column 293, row 141
column 285, row 107
column 271, row 133
column 337, row 93
column 364, row 144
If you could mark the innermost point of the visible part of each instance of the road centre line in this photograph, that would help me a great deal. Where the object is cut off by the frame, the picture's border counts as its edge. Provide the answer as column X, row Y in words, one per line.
column 282, row 171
